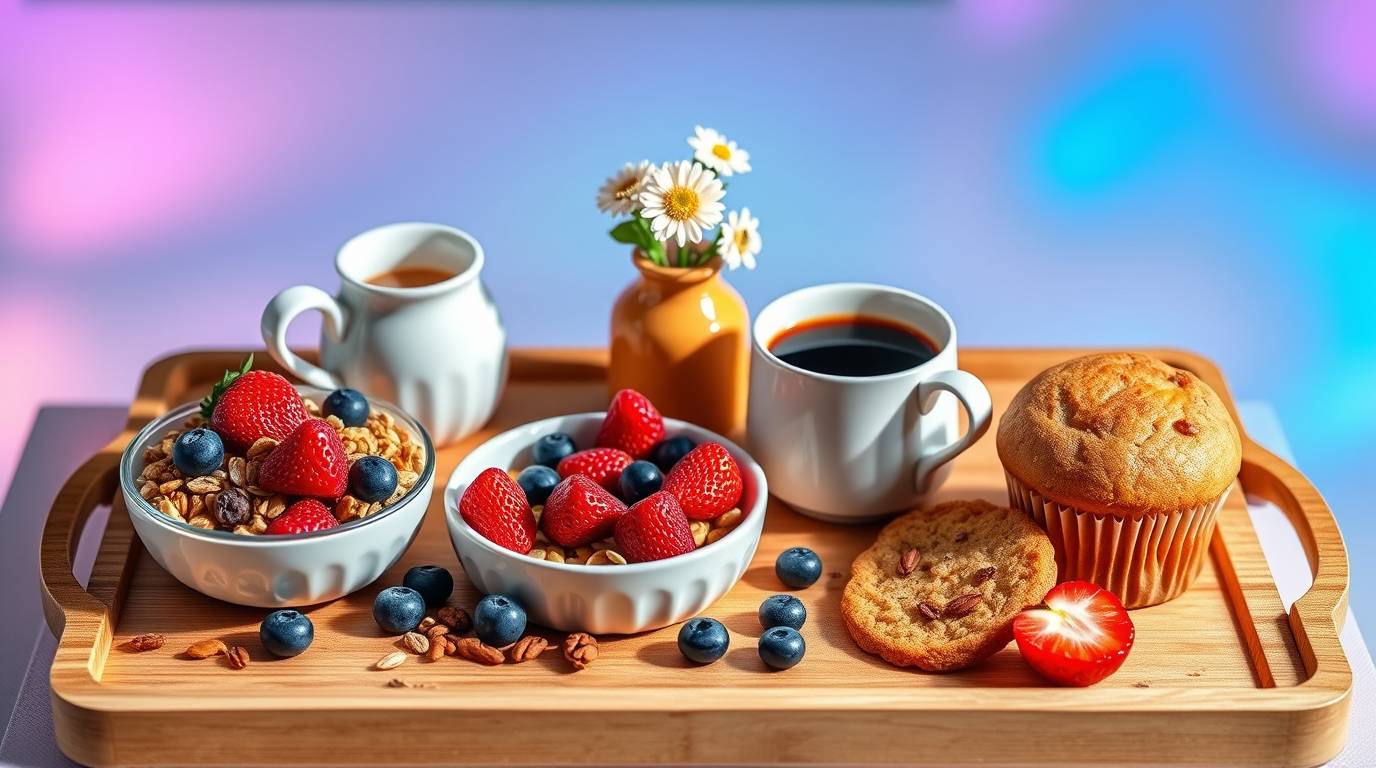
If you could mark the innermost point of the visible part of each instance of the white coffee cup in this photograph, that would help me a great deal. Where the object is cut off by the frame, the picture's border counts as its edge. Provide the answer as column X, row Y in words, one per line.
column 437, row 350
column 858, row 448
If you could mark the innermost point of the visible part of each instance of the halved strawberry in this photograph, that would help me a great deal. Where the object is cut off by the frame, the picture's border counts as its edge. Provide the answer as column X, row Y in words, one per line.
column 247, row 405
column 653, row 529
column 603, row 465
column 1079, row 636
column 310, row 461
column 706, row 482
column 632, row 424
column 579, row 512
column 302, row 517
column 495, row 506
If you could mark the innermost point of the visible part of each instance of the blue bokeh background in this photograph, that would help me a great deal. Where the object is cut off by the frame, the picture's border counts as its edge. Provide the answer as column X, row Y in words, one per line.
column 1056, row 172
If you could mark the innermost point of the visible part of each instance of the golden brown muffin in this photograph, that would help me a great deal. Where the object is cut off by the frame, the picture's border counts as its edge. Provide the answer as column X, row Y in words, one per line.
column 971, row 567
column 1122, row 434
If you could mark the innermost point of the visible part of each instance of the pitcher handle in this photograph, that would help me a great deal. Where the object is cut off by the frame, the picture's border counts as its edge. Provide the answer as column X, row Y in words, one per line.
column 974, row 396
column 284, row 308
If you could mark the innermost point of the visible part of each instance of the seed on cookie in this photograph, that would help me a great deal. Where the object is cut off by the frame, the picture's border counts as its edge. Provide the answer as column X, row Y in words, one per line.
column 982, row 575
column 928, row 611
column 908, row 562
column 962, row 605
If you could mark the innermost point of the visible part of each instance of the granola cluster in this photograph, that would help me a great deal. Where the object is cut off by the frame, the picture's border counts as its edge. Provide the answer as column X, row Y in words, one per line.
column 604, row 552
column 229, row 498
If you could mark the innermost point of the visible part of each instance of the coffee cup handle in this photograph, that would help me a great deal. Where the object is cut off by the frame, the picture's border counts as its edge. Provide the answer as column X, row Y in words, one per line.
column 974, row 396
column 279, row 313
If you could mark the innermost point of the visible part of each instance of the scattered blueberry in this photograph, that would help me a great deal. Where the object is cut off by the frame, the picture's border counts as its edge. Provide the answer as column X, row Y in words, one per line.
column 798, row 567
column 782, row 647
column 703, row 640
column 434, row 583
column 782, row 611
column 549, row 449
column 198, row 452
column 640, row 479
column 537, row 480
column 398, row 609
column 286, row 633
column 372, row 478
column 348, row 405
column 499, row 621
column 668, row 452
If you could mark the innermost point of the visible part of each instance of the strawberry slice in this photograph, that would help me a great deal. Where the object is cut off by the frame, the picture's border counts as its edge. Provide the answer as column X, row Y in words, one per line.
column 495, row 506
column 706, row 482
column 1079, row 636
column 653, row 529
column 247, row 405
column 632, row 424
column 310, row 461
column 304, row 516
column 603, row 465
column 579, row 512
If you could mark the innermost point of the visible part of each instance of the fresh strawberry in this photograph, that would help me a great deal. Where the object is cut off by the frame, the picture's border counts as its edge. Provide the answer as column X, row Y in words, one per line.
column 706, row 482
column 1079, row 636
column 247, row 405
column 603, row 465
column 302, row 517
column 579, row 512
column 653, row 529
column 632, row 424
column 309, row 462
column 495, row 506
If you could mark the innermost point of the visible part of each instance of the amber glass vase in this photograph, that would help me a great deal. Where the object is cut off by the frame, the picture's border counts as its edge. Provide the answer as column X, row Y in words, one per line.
column 681, row 335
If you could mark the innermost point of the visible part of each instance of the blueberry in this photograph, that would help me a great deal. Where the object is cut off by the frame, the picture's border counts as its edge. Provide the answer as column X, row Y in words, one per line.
column 667, row 453
column 798, row 567
column 198, row 452
column 537, row 480
column 286, row 633
column 549, row 449
column 348, row 405
column 703, row 640
column 499, row 620
column 434, row 583
column 782, row 647
column 398, row 609
column 782, row 611
column 640, row 479
column 372, row 478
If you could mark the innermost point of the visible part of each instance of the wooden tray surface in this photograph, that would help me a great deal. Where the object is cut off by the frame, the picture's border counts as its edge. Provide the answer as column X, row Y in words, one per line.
column 1223, row 675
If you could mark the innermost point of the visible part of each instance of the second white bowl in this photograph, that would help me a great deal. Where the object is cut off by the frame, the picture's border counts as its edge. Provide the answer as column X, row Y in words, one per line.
column 605, row 599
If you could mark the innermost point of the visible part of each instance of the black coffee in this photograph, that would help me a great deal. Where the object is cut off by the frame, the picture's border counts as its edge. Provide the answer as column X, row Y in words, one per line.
column 852, row 345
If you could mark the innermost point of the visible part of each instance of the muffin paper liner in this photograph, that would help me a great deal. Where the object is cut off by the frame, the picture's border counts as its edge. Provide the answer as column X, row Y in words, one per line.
column 1144, row 560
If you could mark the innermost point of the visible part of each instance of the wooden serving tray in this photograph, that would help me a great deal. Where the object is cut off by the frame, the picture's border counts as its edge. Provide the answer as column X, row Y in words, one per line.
column 1223, row 675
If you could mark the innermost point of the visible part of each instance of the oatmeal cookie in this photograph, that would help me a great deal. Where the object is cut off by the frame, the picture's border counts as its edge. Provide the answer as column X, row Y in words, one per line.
column 939, row 588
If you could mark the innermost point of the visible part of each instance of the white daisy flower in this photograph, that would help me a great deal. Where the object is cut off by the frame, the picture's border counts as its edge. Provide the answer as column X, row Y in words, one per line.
column 682, row 200
column 620, row 193
column 714, row 151
column 740, row 239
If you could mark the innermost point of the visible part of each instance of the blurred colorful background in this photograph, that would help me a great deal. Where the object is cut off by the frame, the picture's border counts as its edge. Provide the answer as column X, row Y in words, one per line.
column 1055, row 172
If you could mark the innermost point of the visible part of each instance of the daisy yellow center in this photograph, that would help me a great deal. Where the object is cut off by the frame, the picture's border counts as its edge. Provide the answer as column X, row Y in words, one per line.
column 627, row 188
column 681, row 203
column 742, row 240
column 722, row 151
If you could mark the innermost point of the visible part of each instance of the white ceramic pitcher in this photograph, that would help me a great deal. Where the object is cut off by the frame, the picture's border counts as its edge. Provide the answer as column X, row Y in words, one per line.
column 438, row 350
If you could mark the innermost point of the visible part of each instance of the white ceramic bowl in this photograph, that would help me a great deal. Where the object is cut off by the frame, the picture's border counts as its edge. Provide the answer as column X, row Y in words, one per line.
column 603, row 599
column 276, row 571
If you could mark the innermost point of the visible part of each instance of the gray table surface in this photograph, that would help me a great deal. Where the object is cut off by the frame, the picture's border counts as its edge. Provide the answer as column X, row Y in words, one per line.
column 63, row 437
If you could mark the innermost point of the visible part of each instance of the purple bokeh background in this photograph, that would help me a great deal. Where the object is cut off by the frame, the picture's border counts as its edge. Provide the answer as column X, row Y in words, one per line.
column 1200, row 175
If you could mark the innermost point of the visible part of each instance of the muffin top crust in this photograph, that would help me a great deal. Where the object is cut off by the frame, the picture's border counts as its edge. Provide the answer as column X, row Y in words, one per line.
column 1122, row 434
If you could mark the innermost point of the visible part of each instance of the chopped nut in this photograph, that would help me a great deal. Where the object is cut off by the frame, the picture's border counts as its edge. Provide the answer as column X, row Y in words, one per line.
column 538, row 553
column 716, row 535
column 146, row 642
column 426, row 623
column 729, row 519
column 261, row 448
column 962, row 605
column 1185, row 428
column 170, row 486
column 928, row 611
column 580, row 648
column 527, row 648
column 204, row 484
column 554, row 555
column 982, row 575
column 415, row 642
column 238, row 657
column 700, row 530
column 456, row 619
column 201, row 521
column 606, row 557
column 473, row 649
column 909, row 560
column 391, row 660
column 438, row 645
column 436, row 630
column 397, row 682
column 204, row 649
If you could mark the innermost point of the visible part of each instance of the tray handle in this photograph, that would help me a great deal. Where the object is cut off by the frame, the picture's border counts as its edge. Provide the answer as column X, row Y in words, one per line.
column 64, row 599
column 1317, row 617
